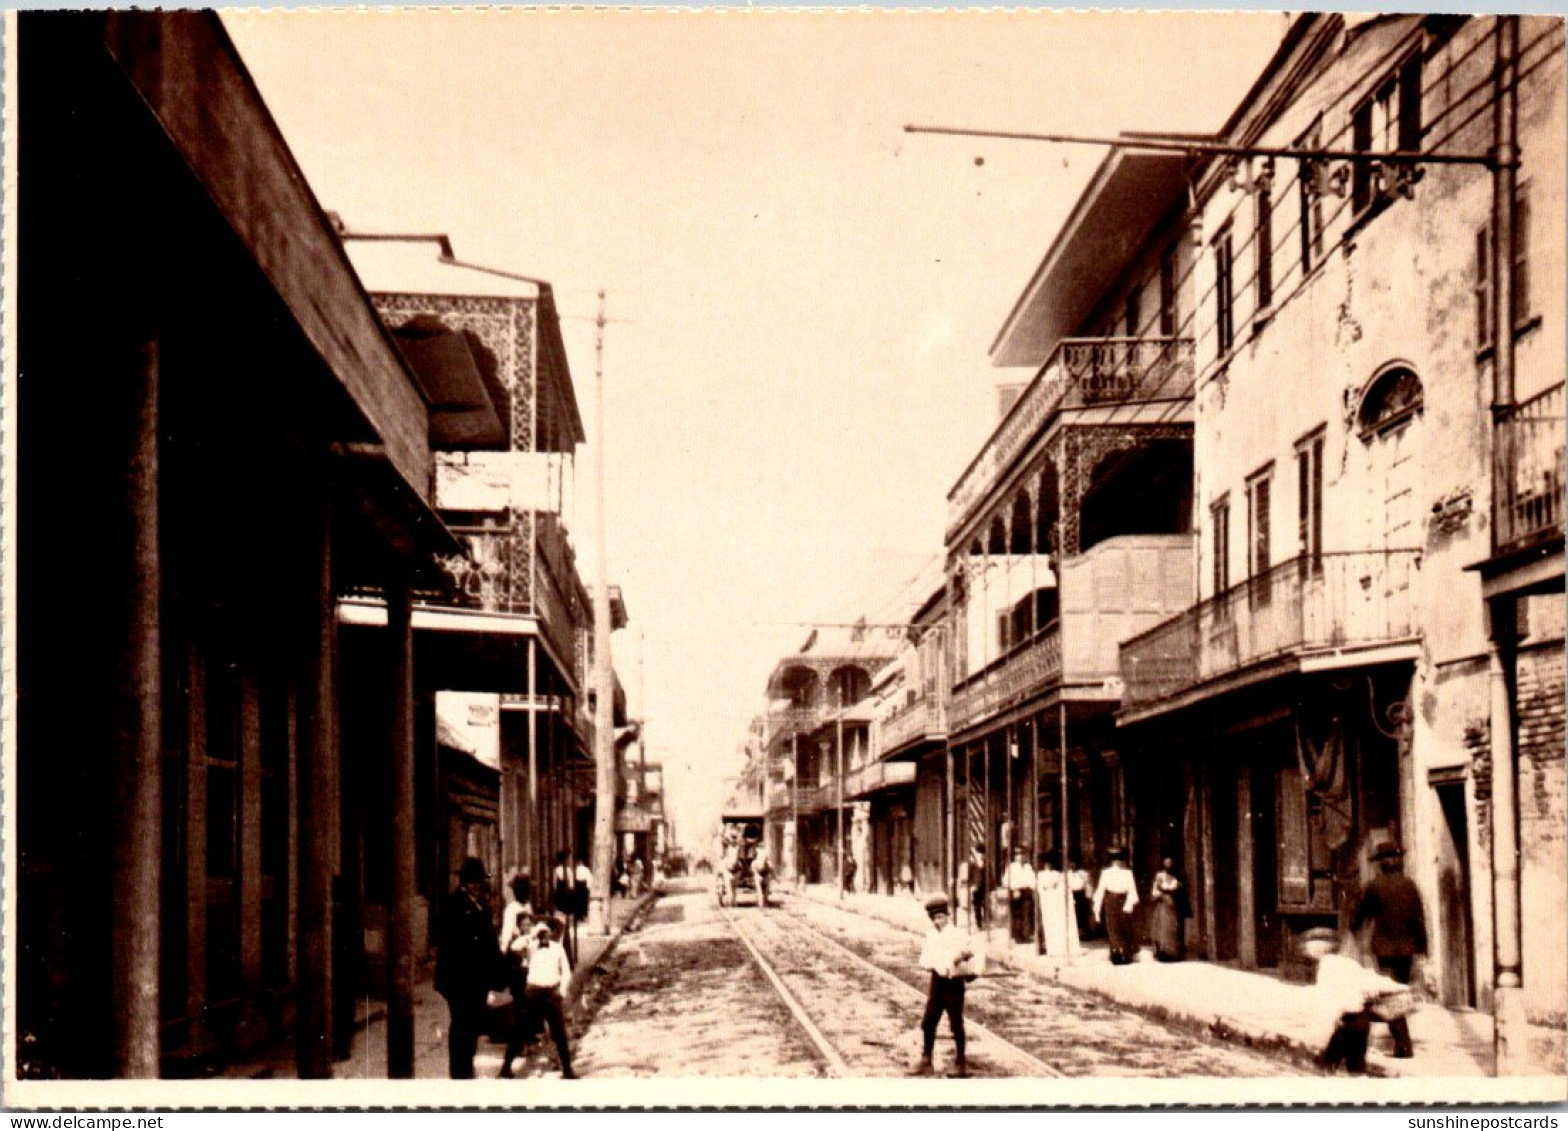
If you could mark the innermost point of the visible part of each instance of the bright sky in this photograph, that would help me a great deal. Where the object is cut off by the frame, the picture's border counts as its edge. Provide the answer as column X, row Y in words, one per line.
column 803, row 295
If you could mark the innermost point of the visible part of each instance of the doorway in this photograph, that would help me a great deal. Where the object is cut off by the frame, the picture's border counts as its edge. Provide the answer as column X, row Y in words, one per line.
column 1457, row 974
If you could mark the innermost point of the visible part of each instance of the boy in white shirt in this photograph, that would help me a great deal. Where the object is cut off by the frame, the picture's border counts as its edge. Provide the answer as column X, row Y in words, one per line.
column 549, row 975
column 943, row 953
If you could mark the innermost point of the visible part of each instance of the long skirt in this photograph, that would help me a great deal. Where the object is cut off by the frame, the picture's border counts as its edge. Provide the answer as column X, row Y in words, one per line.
column 1165, row 927
column 1119, row 928
column 1060, row 926
column 1020, row 913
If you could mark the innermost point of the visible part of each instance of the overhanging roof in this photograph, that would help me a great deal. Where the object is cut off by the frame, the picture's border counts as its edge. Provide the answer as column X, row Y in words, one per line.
column 1108, row 227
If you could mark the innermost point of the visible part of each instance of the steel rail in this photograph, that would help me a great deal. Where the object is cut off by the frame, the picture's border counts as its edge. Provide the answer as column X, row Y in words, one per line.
column 1031, row 1062
column 836, row 1064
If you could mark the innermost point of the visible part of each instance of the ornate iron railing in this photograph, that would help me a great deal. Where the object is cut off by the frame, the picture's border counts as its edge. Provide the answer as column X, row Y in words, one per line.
column 877, row 776
column 916, row 720
column 1322, row 601
column 494, row 576
column 1528, row 501
column 1032, row 665
column 1080, row 373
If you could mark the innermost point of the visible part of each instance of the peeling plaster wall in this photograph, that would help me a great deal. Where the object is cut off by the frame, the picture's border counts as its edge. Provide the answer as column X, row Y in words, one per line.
column 1400, row 287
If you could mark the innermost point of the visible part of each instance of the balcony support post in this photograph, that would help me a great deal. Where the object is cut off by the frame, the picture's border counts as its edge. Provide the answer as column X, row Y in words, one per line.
column 950, row 865
column 1508, row 1014
column 530, row 819
column 136, row 760
column 400, row 912
column 989, row 829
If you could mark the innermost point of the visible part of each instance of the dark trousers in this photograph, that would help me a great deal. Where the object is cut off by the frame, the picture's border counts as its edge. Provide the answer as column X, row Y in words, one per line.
column 525, row 1023
column 1020, row 911
column 1397, row 967
column 946, row 995
column 548, row 1006
column 1348, row 1045
column 977, row 901
column 468, row 1020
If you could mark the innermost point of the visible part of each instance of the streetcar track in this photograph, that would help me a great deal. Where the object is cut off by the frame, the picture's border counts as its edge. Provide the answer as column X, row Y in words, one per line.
column 1029, row 1064
column 836, row 1065
column 1245, row 1058
column 1027, row 1059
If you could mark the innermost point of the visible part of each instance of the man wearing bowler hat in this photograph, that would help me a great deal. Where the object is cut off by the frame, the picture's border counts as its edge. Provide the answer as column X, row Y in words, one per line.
column 1392, row 904
column 468, row 965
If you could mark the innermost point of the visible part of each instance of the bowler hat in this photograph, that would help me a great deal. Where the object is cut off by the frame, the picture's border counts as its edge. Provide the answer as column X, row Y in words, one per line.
column 1319, row 934
column 473, row 872
column 1117, row 853
column 1387, row 850
column 936, row 905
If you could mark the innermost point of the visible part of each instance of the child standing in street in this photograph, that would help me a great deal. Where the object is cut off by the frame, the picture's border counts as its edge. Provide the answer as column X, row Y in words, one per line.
column 549, row 976
column 944, row 953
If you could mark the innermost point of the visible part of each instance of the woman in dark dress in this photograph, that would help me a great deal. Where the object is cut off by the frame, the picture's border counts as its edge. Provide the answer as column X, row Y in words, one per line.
column 1114, row 900
column 1167, row 895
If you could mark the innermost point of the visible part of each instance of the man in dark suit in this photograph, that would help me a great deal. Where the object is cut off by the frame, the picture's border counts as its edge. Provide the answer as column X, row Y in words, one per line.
column 1392, row 904
column 468, row 965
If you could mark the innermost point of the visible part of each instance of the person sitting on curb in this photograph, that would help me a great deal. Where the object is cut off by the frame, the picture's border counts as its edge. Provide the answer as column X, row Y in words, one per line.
column 943, row 953
column 1344, row 991
column 549, row 977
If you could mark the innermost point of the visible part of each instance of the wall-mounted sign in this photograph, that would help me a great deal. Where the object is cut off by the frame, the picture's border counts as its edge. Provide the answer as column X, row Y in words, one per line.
column 494, row 481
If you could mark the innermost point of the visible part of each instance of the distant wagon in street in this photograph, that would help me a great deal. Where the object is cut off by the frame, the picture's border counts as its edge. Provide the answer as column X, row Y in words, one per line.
column 745, row 866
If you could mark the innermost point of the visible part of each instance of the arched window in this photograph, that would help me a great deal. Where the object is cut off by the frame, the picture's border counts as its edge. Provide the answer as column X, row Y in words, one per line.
column 1393, row 397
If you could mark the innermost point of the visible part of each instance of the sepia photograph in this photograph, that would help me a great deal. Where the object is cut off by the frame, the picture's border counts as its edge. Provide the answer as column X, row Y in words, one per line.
column 727, row 557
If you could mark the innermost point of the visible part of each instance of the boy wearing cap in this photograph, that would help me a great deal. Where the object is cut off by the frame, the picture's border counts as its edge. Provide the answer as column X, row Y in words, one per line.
column 549, row 974
column 943, row 952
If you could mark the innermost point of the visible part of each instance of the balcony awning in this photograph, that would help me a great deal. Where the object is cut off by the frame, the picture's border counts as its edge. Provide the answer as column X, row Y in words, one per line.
column 459, row 381
column 1109, row 226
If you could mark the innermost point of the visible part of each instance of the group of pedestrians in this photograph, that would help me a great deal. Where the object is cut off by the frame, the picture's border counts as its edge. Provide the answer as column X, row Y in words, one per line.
column 1350, row 997
column 1059, row 904
column 528, row 957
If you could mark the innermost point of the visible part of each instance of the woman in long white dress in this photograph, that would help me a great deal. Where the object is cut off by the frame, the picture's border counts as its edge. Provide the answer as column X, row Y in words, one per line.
column 1058, row 922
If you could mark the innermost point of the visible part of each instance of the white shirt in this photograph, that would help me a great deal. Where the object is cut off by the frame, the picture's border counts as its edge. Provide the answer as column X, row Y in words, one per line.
column 1078, row 879
column 943, row 950
column 510, row 930
column 1019, row 876
column 1049, row 881
column 584, row 876
column 1116, row 878
column 550, row 969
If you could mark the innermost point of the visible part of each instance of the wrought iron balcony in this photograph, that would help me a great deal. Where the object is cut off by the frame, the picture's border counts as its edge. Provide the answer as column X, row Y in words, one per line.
column 878, row 776
column 912, row 722
column 1080, row 373
column 1033, row 664
column 499, row 575
column 1304, row 605
column 1528, row 501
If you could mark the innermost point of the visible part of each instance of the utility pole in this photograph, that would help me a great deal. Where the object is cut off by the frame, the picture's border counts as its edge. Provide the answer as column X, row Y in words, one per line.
column 604, row 672
column 839, row 766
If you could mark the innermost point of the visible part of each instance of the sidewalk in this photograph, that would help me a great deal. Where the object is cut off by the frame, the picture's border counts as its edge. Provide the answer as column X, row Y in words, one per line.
column 1244, row 1005
column 369, row 1061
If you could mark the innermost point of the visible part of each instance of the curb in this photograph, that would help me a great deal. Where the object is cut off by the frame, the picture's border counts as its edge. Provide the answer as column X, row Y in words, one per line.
column 580, row 975
column 1217, row 1027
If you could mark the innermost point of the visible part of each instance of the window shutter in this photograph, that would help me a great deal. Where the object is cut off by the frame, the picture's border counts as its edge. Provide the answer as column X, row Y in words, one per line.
column 1521, row 257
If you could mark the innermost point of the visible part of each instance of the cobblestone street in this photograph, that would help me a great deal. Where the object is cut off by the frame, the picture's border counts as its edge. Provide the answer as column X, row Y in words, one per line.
column 683, row 995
